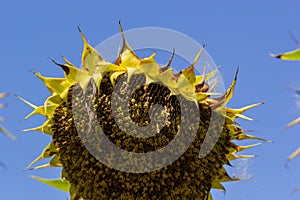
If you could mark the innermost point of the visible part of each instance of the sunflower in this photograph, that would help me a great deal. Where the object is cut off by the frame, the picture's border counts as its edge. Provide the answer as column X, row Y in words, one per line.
column 98, row 98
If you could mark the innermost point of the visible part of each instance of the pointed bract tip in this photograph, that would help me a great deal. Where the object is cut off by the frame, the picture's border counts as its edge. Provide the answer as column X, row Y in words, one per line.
column 82, row 35
column 167, row 66
column 120, row 25
column 171, row 58
column 65, row 68
column 16, row 95
column 78, row 27
column 275, row 56
column 236, row 73
column 154, row 53
column 198, row 55
column 52, row 60
column 122, row 35
column 229, row 163
column 33, row 71
column 121, row 28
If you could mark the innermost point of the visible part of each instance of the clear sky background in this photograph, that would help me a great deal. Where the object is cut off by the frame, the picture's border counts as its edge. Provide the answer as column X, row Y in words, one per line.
column 238, row 33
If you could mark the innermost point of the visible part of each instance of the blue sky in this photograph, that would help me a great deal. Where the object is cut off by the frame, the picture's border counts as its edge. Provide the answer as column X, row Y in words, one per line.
column 237, row 34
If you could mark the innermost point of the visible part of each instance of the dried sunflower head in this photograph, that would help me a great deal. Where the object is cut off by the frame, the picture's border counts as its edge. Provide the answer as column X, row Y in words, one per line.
column 95, row 106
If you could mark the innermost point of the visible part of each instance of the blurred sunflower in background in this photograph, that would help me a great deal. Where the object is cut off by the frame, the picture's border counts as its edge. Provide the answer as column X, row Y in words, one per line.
column 2, row 129
column 293, row 55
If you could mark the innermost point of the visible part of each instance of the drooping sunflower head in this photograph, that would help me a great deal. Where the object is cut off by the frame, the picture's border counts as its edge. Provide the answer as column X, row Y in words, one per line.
column 112, row 125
